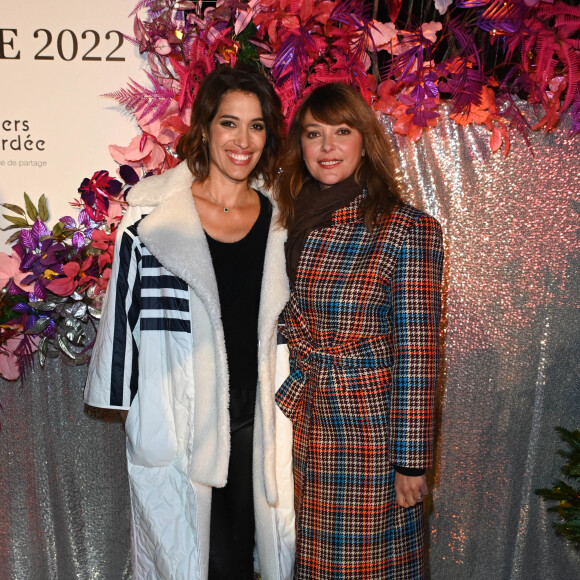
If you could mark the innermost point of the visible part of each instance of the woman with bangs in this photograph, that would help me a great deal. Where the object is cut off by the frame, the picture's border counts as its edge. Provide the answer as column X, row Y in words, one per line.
column 362, row 331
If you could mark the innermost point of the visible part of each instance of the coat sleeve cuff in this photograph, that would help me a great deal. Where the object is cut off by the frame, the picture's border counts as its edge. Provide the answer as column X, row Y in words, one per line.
column 412, row 471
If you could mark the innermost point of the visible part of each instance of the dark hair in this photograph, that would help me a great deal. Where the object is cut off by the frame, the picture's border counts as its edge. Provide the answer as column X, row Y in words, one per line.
column 209, row 96
column 334, row 104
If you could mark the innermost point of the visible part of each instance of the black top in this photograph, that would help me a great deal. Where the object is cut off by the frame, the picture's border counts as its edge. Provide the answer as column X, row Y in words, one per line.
column 238, row 269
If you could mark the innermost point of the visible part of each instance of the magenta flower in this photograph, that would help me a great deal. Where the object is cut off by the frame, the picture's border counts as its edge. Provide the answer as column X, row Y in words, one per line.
column 100, row 195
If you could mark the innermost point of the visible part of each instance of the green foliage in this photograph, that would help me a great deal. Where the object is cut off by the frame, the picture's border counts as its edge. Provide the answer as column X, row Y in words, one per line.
column 7, row 303
column 30, row 208
column 567, row 496
column 58, row 229
column 31, row 212
column 248, row 52
column 16, row 221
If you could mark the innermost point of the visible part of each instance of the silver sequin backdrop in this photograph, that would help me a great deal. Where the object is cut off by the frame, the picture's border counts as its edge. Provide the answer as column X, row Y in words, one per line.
column 511, row 373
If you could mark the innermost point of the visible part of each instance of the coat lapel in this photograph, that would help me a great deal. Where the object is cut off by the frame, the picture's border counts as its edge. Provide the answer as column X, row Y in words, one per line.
column 274, row 295
column 275, row 287
column 173, row 233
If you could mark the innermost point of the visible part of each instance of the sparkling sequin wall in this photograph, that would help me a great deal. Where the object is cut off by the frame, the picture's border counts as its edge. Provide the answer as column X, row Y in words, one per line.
column 511, row 334
column 510, row 374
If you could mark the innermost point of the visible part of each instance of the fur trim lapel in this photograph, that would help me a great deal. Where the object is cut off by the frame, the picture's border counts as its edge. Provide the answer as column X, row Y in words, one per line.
column 274, row 295
column 275, row 287
column 153, row 190
column 173, row 233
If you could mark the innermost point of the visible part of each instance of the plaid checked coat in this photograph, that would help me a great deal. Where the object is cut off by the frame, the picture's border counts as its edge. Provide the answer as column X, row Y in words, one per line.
column 362, row 330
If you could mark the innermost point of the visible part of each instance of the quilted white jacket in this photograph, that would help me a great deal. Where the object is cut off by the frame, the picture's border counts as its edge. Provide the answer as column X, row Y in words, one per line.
column 160, row 353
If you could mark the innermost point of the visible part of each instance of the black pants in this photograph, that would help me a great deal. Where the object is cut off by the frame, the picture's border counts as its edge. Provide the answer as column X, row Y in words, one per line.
column 231, row 546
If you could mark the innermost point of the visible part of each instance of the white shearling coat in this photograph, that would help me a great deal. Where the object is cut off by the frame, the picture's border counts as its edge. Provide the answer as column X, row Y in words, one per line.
column 160, row 353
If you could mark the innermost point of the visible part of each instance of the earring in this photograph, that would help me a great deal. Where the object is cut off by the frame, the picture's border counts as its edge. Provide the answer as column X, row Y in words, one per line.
column 363, row 153
column 203, row 140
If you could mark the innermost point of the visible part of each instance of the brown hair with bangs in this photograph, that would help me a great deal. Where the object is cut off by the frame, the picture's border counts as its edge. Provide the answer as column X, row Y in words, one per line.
column 213, row 88
column 334, row 104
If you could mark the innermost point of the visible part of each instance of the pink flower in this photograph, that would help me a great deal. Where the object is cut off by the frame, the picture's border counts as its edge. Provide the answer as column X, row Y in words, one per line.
column 387, row 102
column 73, row 274
column 277, row 16
column 144, row 150
column 10, row 271
column 384, row 34
column 105, row 242
column 162, row 46
column 556, row 83
column 102, row 282
column 152, row 149
column 167, row 129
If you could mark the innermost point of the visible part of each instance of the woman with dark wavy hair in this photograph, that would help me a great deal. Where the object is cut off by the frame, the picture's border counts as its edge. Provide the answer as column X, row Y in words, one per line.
column 362, row 330
column 187, row 345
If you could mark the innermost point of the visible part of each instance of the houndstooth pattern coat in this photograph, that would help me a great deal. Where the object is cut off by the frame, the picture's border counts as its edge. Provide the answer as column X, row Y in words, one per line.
column 362, row 330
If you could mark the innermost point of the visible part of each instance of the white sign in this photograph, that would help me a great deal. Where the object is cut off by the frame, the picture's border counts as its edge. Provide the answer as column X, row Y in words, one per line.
column 57, row 59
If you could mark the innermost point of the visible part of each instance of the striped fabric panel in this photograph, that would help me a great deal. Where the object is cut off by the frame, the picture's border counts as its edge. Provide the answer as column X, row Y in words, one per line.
column 164, row 299
column 147, row 298
column 127, row 295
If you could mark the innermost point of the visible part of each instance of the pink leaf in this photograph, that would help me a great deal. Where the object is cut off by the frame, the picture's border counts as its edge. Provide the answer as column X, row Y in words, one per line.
column 430, row 29
column 62, row 286
column 71, row 269
column 245, row 16
column 383, row 33
column 394, row 7
column 8, row 268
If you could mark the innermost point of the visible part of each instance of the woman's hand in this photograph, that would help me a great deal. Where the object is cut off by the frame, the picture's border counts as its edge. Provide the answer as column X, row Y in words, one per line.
column 410, row 490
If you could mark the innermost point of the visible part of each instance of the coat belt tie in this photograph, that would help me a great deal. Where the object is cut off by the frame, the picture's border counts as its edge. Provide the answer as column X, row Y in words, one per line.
column 306, row 363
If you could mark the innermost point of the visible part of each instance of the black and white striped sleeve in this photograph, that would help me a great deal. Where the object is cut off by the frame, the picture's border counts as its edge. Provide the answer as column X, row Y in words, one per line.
column 114, row 369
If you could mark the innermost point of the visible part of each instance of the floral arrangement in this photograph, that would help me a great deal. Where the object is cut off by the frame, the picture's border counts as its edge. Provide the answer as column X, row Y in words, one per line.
column 54, row 281
column 474, row 54
column 405, row 66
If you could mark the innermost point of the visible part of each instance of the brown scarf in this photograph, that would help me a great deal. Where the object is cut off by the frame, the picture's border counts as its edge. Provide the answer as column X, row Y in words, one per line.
column 313, row 210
